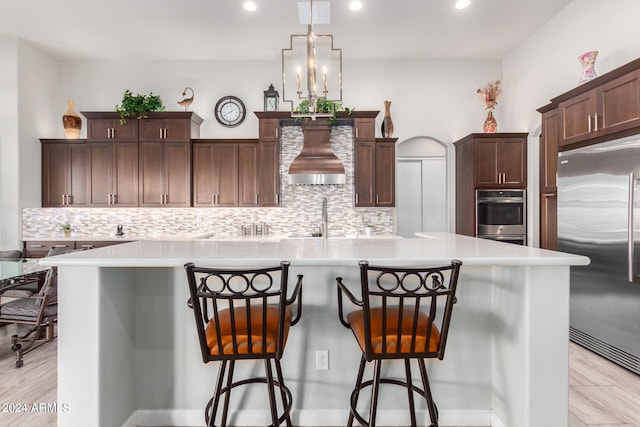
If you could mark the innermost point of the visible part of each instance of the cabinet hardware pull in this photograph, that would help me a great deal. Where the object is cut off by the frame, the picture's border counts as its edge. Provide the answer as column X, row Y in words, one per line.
column 108, row 199
column 165, row 133
column 86, row 246
column 115, row 199
column 162, row 199
column 63, row 199
column 356, row 132
column 277, row 199
column 36, row 246
column 212, row 202
column 277, row 132
column 589, row 122
column 595, row 116
column 216, row 197
column 549, row 194
column 160, row 133
column 256, row 199
column 59, row 246
column 357, row 198
column 376, row 199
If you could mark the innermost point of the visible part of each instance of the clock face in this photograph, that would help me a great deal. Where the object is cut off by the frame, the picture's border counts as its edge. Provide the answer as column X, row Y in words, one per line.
column 230, row 111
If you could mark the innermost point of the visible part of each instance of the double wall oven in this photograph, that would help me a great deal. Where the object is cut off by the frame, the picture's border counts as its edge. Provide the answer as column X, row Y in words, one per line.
column 501, row 215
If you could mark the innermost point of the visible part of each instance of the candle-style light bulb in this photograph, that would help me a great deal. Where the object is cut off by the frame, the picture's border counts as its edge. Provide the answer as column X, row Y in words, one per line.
column 324, row 80
column 299, row 85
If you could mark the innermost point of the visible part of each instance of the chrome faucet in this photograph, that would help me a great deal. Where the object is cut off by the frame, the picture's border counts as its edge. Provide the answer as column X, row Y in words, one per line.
column 325, row 220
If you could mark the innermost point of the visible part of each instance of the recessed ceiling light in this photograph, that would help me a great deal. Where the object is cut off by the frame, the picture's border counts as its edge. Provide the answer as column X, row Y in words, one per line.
column 249, row 6
column 355, row 5
column 462, row 4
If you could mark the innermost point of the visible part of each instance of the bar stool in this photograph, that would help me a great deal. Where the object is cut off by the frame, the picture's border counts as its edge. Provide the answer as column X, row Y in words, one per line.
column 244, row 315
column 404, row 315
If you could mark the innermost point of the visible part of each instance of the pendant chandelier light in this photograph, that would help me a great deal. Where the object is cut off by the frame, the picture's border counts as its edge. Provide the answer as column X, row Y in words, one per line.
column 309, row 56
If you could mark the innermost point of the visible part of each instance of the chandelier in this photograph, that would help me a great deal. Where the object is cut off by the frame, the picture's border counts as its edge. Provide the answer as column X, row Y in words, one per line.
column 309, row 56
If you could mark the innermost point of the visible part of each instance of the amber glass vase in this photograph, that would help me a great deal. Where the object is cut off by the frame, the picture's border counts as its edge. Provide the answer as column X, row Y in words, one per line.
column 71, row 121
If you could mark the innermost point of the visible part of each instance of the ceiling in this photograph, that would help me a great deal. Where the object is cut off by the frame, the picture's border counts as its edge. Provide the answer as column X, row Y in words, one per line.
column 223, row 30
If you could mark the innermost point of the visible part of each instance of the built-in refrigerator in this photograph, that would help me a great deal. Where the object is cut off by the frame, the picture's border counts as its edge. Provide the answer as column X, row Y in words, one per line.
column 599, row 217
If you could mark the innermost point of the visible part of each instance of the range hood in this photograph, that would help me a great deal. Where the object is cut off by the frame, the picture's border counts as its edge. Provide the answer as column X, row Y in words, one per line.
column 316, row 164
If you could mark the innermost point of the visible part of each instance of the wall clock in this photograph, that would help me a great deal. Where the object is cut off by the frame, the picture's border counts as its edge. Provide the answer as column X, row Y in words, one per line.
column 230, row 111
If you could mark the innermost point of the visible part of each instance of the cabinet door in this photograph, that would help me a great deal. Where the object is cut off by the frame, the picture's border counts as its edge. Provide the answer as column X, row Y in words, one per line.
column 512, row 163
column 269, row 130
column 226, row 174
column 111, row 129
column 247, row 175
column 165, row 129
column 124, row 174
column 549, row 150
column 620, row 107
column 486, row 163
column 101, row 161
column 151, row 129
column 177, row 174
column 269, row 173
column 364, row 129
column 385, row 184
column 204, row 183
column 577, row 118
column 64, row 175
column 151, row 174
column 549, row 220
column 364, row 167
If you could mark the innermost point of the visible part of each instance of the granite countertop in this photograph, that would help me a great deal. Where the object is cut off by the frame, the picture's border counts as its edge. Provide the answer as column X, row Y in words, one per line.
column 437, row 248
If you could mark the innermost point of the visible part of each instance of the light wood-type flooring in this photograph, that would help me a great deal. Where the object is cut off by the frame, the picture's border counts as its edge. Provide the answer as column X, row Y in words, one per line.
column 601, row 394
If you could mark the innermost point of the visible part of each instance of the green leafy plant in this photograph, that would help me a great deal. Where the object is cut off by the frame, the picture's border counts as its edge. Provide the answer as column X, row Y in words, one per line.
column 137, row 105
column 323, row 105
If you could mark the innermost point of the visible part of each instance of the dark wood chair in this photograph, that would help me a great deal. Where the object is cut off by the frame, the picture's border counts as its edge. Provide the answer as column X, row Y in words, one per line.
column 244, row 314
column 404, row 314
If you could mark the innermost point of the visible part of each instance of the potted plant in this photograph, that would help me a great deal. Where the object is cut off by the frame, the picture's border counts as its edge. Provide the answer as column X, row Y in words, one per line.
column 323, row 105
column 66, row 228
column 137, row 105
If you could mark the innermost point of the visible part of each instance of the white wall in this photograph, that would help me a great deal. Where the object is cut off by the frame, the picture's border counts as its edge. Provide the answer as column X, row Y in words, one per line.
column 546, row 65
column 9, row 197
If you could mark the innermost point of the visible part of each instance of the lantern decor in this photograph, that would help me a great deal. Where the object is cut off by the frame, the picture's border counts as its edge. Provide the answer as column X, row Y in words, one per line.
column 271, row 99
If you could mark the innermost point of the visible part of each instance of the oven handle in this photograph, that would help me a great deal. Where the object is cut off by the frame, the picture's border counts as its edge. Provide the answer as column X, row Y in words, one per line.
column 501, row 200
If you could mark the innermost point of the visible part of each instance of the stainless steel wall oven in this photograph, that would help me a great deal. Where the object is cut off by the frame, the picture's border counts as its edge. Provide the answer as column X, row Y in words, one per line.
column 502, row 215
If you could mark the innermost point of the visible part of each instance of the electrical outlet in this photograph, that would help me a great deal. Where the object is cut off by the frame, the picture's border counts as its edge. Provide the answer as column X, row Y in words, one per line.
column 322, row 360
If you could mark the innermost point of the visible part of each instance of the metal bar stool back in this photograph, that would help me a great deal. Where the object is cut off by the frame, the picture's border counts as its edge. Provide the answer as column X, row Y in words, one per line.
column 404, row 313
column 244, row 314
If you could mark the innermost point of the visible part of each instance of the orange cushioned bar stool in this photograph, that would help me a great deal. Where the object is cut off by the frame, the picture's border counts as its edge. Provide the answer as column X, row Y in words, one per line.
column 404, row 314
column 244, row 315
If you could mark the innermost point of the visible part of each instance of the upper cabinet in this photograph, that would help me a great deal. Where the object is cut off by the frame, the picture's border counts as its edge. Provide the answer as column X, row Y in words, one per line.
column 496, row 160
column 64, row 173
column 604, row 108
column 106, row 126
column 269, row 157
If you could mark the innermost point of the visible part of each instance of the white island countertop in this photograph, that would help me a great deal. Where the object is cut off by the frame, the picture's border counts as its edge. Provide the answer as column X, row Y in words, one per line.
column 431, row 247
column 124, row 309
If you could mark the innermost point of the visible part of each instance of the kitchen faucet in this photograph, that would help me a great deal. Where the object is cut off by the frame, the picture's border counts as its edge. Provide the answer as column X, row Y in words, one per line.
column 325, row 220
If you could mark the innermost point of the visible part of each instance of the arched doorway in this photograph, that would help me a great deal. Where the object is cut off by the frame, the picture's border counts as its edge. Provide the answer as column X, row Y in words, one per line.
column 421, row 182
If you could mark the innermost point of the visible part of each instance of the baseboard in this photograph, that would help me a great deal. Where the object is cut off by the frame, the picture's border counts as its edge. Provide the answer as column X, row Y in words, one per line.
column 309, row 418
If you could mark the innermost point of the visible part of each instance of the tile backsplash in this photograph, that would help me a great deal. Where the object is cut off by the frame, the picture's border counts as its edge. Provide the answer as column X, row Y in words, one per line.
column 299, row 211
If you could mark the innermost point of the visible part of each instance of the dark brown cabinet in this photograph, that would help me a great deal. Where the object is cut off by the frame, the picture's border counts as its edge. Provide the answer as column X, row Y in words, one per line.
column 39, row 249
column 215, row 174
column 487, row 161
column 103, row 126
column 225, row 173
column 113, row 174
column 164, row 174
column 269, row 157
column 500, row 160
column 164, row 129
column 549, row 142
column 64, row 173
column 374, row 161
column 610, row 107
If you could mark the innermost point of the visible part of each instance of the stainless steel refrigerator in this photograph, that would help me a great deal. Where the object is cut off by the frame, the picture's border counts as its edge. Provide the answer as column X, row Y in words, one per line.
column 599, row 216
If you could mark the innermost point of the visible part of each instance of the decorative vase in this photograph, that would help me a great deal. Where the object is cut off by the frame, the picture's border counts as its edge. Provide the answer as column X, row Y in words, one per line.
column 71, row 121
column 490, row 124
column 387, row 123
column 588, row 62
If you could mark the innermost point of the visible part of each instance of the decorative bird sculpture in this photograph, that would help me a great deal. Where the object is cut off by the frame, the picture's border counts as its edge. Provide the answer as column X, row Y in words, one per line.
column 186, row 101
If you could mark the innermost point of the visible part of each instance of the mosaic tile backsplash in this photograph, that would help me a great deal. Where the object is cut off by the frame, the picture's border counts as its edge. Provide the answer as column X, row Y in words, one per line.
column 299, row 211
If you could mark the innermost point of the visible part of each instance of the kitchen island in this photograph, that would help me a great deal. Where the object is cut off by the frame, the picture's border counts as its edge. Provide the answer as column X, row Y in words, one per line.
column 128, row 352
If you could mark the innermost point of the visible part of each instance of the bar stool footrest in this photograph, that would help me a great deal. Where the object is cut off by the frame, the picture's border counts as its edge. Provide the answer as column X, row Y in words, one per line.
column 259, row 380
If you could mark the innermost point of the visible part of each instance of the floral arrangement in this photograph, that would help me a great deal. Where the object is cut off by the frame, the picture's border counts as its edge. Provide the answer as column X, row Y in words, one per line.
column 490, row 94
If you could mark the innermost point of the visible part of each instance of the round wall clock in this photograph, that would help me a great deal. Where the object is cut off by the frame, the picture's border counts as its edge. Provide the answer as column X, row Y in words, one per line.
column 230, row 111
